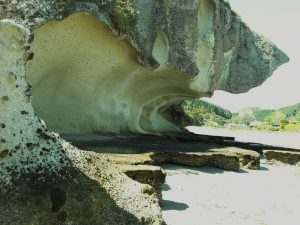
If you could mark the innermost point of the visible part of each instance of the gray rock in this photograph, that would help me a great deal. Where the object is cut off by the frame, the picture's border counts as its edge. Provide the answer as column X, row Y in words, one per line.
column 45, row 180
column 225, row 161
column 146, row 174
column 248, row 159
column 116, row 69
column 188, row 50
column 218, row 159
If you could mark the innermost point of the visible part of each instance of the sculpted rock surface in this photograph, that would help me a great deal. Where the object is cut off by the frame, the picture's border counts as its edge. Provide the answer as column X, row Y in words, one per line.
column 110, row 67
column 45, row 180
column 86, row 79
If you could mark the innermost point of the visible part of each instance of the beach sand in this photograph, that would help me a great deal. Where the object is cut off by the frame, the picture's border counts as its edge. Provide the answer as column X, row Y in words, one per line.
column 209, row 196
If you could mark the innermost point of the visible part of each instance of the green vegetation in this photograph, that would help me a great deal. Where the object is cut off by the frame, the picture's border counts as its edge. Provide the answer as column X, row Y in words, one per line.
column 297, row 117
column 291, row 111
column 278, row 117
column 202, row 113
column 284, row 119
column 125, row 14
column 266, row 114
column 263, row 114
column 245, row 118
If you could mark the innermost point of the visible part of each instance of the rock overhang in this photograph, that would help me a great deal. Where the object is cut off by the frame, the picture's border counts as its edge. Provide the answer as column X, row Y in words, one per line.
column 228, row 56
column 86, row 79
column 30, row 148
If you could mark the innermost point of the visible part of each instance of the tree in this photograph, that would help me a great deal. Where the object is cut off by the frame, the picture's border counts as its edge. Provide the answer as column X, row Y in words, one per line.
column 245, row 118
column 278, row 117
column 297, row 117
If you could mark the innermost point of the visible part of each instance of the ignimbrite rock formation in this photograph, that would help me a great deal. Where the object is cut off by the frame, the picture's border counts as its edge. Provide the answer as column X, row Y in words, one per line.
column 88, row 79
column 45, row 180
column 108, row 67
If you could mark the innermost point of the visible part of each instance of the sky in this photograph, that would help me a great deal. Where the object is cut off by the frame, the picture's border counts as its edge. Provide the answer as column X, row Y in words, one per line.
column 279, row 21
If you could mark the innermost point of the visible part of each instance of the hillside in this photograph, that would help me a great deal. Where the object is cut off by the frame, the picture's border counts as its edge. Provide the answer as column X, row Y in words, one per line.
column 291, row 111
column 263, row 114
column 266, row 114
column 202, row 113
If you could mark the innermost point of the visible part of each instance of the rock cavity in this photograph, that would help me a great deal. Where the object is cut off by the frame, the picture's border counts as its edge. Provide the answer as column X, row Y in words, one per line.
column 86, row 79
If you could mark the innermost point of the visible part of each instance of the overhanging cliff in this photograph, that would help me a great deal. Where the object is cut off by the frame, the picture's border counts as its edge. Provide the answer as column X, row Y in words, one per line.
column 109, row 67
column 117, row 66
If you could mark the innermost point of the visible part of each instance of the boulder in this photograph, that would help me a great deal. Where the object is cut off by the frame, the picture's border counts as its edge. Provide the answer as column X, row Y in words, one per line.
column 119, row 66
column 286, row 157
column 112, row 66
column 44, row 179
column 146, row 174
column 248, row 159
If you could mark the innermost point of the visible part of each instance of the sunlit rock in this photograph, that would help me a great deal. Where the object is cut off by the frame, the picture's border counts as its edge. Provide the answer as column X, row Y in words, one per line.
column 117, row 67
column 106, row 67
column 45, row 180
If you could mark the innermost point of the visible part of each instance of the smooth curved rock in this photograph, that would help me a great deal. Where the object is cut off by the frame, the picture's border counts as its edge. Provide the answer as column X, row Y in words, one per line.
column 87, row 80
column 167, row 51
column 45, row 180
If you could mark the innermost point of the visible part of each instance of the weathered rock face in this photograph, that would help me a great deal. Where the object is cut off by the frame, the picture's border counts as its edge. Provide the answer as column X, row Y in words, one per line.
column 286, row 157
column 86, row 79
column 45, row 180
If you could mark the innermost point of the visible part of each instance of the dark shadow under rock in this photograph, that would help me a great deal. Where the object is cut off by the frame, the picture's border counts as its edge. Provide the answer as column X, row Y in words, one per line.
column 82, row 194
column 171, row 205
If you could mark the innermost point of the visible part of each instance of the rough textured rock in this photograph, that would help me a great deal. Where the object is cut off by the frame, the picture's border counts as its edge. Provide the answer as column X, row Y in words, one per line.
column 171, row 51
column 87, row 79
column 146, row 174
column 222, row 160
column 248, row 159
column 91, row 191
column 144, row 167
column 226, row 161
column 286, row 157
column 140, row 167
column 45, row 180
column 227, row 158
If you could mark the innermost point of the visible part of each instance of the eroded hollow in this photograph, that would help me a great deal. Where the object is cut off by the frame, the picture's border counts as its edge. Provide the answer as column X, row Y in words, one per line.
column 86, row 80
column 58, row 198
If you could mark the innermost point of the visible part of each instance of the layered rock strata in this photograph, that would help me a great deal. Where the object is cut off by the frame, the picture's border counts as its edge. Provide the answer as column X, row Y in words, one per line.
column 223, row 158
column 286, row 157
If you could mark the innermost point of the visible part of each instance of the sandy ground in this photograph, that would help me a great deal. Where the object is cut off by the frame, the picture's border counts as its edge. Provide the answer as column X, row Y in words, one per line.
column 210, row 196
column 285, row 139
